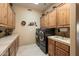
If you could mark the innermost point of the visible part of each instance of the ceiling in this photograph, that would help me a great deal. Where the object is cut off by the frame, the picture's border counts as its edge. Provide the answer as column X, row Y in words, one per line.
column 39, row 7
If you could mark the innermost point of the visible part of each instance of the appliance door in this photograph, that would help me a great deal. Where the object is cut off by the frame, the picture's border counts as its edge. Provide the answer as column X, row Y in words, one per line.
column 42, row 38
column 37, row 37
column 43, row 48
column 37, row 40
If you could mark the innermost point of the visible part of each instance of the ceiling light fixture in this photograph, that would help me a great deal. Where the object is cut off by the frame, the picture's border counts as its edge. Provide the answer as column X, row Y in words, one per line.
column 36, row 3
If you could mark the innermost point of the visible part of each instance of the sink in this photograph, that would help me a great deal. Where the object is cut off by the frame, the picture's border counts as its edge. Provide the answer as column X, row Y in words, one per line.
column 58, row 37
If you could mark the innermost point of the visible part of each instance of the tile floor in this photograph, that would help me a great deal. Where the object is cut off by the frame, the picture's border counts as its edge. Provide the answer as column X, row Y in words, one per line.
column 30, row 50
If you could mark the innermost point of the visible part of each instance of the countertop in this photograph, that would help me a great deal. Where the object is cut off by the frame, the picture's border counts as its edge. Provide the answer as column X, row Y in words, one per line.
column 5, row 42
column 61, row 39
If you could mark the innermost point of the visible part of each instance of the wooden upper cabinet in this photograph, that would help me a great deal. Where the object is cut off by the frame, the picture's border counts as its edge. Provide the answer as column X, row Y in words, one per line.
column 46, row 21
column 0, row 13
column 67, row 22
column 3, row 13
column 60, row 16
column 13, row 18
column 7, row 17
column 10, row 15
column 41, row 22
column 63, row 15
column 52, row 19
column 49, row 20
column 66, row 15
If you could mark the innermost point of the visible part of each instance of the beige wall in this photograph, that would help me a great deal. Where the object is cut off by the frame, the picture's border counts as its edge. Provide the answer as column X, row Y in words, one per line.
column 26, row 33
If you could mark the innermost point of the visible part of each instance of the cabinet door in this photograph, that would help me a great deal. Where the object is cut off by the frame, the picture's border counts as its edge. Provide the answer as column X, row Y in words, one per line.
column 61, row 52
column 52, row 19
column 13, row 20
column 63, row 46
column 12, row 49
column 4, row 13
column 9, row 16
column 42, row 22
column 17, row 43
column 46, row 21
column 6, row 53
column 1, row 13
column 66, row 14
column 60, row 17
column 51, row 48
column 67, row 19
column 63, row 15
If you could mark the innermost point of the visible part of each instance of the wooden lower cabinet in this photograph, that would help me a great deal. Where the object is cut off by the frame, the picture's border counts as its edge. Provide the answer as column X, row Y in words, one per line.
column 51, row 47
column 57, row 49
column 14, row 47
column 12, row 50
column 6, row 53
column 63, row 46
column 17, row 43
column 61, row 52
